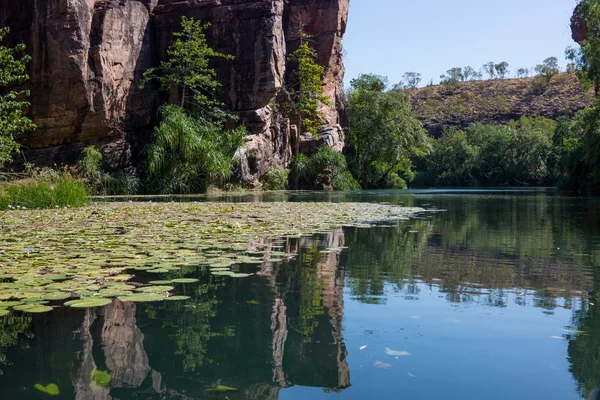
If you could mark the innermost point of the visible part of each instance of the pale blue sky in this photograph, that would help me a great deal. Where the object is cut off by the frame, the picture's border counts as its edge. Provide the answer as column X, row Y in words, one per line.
column 390, row 37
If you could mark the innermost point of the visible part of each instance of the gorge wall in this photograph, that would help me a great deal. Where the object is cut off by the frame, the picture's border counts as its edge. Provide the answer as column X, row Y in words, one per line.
column 89, row 55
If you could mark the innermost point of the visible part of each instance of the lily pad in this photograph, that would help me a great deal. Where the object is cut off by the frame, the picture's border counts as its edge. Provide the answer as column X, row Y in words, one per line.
column 240, row 275
column 163, row 282
column 33, row 308
column 222, row 273
column 143, row 297
column 56, row 296
column 185, row 280
column 88, row 302
column 3, row 312
column 51, row 389
column 222, row 389
column 177, row 298
column 155, row 289
column 101, row 378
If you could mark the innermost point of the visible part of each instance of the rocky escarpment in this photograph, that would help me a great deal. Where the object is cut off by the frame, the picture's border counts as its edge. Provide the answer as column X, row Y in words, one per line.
column 88, row 57
column 498, row 101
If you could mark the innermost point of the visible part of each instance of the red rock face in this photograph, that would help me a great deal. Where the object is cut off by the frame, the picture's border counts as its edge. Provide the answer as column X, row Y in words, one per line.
column 578, row 26
column 88, row 57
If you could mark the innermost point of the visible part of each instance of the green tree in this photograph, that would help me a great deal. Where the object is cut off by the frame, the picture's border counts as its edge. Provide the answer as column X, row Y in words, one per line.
column 502, row 69
column 522, row 73
column 12, row 120
column 548, row 69
column 531, row 148
column 493, row 165
column 452, row 159
column 470, row 74
column 187, row 154
column 188, row 69
column 411, row 79
column 307, row 90
column 453, row 75
column 587, row 57
column 383, row 133
column 490, row 69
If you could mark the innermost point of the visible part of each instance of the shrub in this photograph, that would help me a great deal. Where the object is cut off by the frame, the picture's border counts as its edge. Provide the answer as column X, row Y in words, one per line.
column 275, row 179
column 90, row 164
column 187, row 155
column 326, row 167
column 120, row 183
column 103, row 183
column 68, row 191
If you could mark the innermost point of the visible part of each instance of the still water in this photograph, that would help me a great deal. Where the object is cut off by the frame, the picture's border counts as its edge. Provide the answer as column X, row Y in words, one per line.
column 494, row 295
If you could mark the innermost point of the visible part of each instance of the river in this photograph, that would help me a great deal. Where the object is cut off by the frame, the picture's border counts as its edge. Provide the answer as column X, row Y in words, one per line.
column 491, row 294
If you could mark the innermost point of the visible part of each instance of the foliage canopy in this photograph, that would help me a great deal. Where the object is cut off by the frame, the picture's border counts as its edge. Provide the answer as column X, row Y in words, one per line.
column 12, row 120
column 383, row 133
column 188, row 68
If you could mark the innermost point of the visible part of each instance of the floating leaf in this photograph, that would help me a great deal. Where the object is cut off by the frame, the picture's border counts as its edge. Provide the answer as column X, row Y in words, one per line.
column 240, row 275
column 222, row 389
column 56, row 296
column 163, row 282
column 51, row 389
column 143, row 297
column 7, row 304
column 101, row 378
column 185, row 280
column 33, row 308
column 4, row 312
column 177, row 298
column 222, row 273
column 88, row 302
column 253, row 302
column 155, row 289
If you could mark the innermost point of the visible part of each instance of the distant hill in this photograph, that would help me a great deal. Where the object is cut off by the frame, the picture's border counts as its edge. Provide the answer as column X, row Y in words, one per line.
column 497, row 101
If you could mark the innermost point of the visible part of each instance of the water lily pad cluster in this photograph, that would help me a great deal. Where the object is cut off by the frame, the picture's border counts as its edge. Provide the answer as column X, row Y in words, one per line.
column 89, row 256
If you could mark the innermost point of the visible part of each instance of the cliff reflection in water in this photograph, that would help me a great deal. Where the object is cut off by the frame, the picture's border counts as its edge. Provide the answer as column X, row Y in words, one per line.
column 284, row 326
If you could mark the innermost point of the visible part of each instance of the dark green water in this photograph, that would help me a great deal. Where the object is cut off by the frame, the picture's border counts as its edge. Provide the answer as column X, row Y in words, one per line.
column 494, row 298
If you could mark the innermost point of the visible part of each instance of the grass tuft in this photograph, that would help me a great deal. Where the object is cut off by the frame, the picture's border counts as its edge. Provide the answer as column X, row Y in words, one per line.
column 64, row 191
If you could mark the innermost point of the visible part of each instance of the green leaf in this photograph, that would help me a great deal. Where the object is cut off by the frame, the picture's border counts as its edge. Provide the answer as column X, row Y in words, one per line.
column 101, row 378
column 51, row 389
column 222, row 389
column 185, row 280
column 88, row 302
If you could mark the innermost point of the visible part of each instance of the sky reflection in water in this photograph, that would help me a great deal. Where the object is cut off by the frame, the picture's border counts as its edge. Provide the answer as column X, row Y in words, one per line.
column 493, row 298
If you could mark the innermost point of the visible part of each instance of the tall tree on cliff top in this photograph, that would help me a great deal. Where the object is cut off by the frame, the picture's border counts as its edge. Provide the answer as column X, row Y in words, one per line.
column 188, row 69
column 12, row 120
column 307, row 90
column 587, row 57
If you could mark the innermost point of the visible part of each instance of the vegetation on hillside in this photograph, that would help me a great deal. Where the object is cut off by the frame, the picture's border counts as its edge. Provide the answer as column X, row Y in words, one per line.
column 496, row 101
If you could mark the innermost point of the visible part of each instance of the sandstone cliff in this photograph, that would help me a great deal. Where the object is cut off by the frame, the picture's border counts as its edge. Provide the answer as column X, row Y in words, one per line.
column 88, row 57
